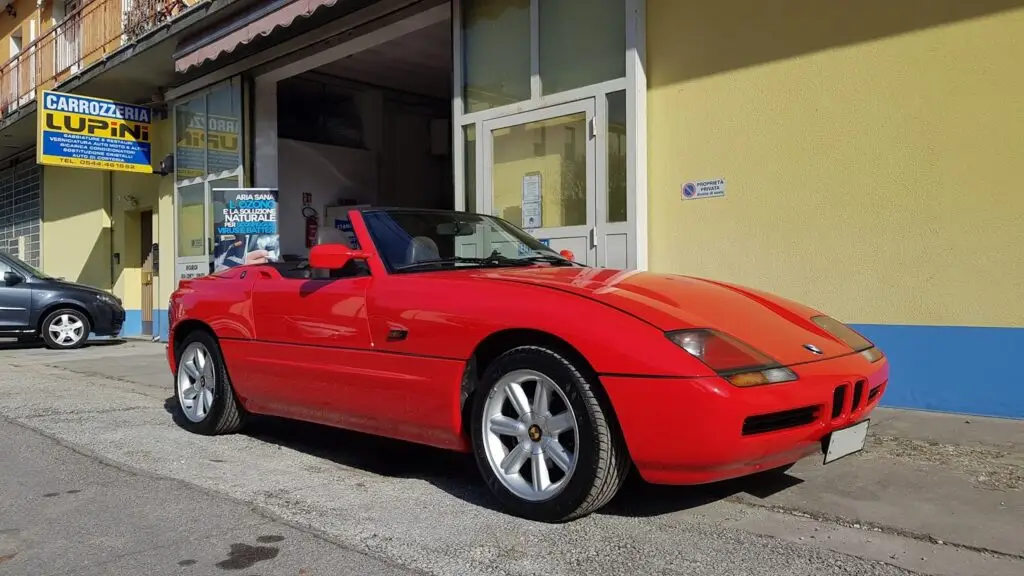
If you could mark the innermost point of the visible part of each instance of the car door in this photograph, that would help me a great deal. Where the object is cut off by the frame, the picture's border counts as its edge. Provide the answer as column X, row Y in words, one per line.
column 420, row 355
column 311, row 344
column 15, row 301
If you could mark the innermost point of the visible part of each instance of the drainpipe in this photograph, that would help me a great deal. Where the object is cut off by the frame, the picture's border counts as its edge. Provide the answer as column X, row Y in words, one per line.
column 110, row 216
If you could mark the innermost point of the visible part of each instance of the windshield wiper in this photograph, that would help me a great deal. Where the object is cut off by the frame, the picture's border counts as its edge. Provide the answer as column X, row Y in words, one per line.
column 452, row 260
column 492, row 260
column 549, row 258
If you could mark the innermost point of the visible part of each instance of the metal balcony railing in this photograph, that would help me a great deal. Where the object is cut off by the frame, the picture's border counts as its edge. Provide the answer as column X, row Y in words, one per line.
column 93, row 30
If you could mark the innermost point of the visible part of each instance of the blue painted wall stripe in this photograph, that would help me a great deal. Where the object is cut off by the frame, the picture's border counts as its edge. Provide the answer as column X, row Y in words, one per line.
column 132, row 323
column 966, row 370
column 165, row 324
column 132, row 326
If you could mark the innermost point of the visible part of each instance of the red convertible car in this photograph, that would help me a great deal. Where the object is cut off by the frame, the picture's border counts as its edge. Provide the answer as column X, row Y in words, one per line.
column 464, row 332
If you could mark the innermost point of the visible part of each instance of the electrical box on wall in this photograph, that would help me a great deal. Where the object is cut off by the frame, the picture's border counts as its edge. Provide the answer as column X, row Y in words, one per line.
column 440, row 137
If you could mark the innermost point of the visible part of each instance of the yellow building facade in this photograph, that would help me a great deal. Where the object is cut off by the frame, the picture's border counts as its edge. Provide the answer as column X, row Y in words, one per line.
column 871, row 153
column 94, row 231
column 867, row 152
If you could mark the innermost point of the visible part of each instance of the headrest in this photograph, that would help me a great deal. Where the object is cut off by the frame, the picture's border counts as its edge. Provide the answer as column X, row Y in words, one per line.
column 421, row 249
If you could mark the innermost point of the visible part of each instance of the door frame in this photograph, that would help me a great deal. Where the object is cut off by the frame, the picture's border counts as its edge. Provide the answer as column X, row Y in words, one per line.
column 586, row 106
column 604, row 229
column 145, row 217
column 470, row 177
column 634, row 83
column 208, row 183
column 241, row 172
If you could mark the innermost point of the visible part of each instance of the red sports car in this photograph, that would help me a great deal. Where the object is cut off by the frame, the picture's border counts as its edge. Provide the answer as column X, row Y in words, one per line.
column 462, row 331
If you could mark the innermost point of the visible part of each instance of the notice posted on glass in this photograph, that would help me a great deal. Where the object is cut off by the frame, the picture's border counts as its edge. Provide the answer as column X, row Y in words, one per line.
column 245, row 227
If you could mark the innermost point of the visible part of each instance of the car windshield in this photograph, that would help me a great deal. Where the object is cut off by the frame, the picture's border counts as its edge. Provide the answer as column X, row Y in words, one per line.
column 19, row 263
column 424, row 240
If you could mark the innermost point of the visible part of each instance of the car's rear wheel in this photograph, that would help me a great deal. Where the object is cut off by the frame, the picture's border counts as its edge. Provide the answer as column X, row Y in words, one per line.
column 65, row 329
column 542, row 439
column 206, row 400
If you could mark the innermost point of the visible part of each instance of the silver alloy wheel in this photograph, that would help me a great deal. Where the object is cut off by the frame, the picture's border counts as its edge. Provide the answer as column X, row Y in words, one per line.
column 196, row 382
column 66, row 330
column 537, row 436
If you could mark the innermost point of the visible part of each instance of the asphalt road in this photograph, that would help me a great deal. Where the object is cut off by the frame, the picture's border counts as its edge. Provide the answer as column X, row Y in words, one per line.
column 66, row 513
column 348, row 503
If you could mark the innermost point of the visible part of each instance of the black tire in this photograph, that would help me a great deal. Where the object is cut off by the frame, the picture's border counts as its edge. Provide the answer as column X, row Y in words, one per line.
column 225, row 415
column 602, row 459
column 51, row 343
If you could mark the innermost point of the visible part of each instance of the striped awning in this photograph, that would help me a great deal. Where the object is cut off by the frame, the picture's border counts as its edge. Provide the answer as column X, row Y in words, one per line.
column 244, row 30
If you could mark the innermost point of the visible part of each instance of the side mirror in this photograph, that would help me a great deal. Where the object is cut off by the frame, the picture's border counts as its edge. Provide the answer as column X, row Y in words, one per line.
column 11, row 278
column 568, row 255
column 333, row 256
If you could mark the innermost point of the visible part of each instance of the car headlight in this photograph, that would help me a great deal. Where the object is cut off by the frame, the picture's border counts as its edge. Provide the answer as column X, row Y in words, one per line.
column 731, row 359
column 850, row 337
column 108, row 299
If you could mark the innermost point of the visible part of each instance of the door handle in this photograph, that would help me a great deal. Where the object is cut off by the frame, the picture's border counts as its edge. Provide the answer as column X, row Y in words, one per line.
column 397, row 333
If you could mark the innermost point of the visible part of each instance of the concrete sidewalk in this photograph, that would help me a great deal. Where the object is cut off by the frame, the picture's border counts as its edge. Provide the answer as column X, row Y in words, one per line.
column 927, row 475
column 943, row 480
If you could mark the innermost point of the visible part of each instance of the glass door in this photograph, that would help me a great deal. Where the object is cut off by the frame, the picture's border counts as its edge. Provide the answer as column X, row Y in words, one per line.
column 197, row 215
column 540, row 175
column 190, row 259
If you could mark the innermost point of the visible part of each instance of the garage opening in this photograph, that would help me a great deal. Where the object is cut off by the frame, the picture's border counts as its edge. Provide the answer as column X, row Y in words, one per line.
column 369, row 129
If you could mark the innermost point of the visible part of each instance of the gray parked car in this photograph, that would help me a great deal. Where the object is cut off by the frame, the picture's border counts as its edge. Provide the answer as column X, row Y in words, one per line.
column 34, row 305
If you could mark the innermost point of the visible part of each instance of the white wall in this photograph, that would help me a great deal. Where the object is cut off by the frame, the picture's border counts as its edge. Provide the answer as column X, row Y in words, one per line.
column 399, row 168
column 329, row 173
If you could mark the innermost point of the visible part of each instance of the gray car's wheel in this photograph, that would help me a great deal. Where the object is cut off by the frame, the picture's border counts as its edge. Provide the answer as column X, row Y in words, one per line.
column 542, row 439
column 65, row 329
column 205, row 399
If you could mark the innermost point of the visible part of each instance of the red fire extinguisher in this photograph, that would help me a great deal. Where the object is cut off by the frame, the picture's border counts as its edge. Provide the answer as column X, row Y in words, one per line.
column 312, row 225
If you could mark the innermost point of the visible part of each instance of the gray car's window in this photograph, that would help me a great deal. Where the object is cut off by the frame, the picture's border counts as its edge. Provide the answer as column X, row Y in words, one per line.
column 21, row 267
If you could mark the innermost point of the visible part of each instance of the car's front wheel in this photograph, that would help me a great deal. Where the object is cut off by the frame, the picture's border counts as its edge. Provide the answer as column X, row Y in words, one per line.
column 65, row 329
column 206, row 399
column 542, row 439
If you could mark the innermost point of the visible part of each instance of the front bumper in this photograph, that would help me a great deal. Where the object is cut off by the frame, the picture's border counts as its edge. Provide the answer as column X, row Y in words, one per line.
column 107, row 319
column 700, row 430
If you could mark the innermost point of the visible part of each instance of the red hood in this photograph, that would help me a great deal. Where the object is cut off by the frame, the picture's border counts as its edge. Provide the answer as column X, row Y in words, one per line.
column 775, row 326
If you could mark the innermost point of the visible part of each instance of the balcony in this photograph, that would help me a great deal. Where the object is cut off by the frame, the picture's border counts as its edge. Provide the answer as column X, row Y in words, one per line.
column 92, row 32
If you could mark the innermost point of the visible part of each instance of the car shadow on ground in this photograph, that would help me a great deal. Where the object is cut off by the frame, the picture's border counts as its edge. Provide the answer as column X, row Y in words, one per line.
column 457, row 474
column 639, row 499
column 12, row 344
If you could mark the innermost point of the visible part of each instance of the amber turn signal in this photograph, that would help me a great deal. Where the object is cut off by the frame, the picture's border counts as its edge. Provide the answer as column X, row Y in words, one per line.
column 762, row 377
